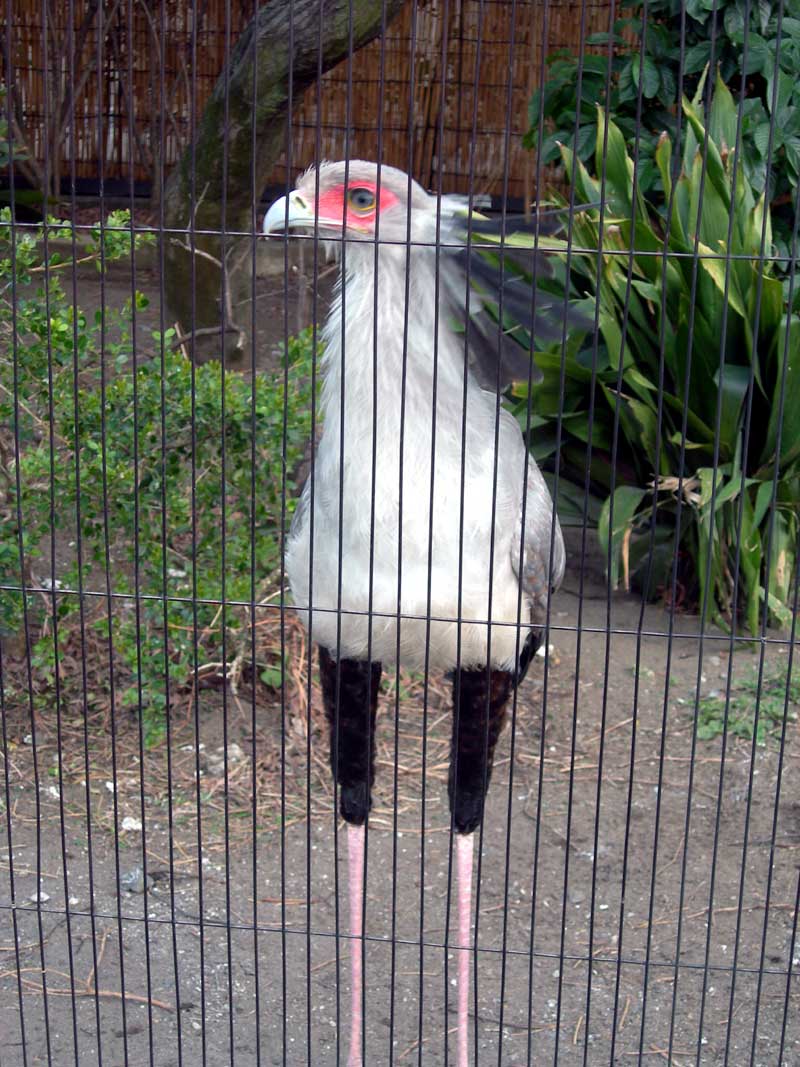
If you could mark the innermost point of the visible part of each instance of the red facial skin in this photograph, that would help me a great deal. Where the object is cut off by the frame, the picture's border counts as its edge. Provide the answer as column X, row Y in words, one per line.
column 333, row 207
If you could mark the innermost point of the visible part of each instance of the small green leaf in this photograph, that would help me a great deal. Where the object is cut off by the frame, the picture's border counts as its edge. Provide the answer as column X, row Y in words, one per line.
column 646, row 75
column 272, row 676
column 761, row 136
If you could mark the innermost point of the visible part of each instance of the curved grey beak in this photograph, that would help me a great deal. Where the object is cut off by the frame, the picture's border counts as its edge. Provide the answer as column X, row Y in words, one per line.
column 280, row 217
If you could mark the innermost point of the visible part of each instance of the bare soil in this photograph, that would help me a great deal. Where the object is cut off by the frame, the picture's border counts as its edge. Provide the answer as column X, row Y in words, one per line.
column 603, row 828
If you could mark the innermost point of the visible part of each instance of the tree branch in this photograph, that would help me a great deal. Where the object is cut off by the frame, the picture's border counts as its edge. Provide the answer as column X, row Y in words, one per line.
column 261, row 55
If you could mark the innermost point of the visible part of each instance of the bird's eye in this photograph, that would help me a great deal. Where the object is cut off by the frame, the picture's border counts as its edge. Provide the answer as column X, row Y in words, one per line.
column 361, row 201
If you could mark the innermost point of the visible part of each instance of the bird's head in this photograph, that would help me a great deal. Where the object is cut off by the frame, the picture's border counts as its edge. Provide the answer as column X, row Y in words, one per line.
column 355, row 200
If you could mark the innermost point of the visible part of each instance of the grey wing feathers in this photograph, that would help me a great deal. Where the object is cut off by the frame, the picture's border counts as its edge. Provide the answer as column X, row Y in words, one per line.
column 484, row 277
column 300, row 511
column 538, row 573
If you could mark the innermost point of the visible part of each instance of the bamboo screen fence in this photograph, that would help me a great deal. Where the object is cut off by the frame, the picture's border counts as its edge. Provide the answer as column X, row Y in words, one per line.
column 116, row 131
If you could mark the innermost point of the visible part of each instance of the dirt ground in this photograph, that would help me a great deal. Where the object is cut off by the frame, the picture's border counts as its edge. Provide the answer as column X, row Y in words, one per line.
column 600, row 827
column 637, row 891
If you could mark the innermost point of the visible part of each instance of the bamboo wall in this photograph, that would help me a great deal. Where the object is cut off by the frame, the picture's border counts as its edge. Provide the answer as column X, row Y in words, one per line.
column 486, row 71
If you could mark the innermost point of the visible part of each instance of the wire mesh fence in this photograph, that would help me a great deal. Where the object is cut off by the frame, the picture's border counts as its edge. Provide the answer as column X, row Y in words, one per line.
column 398, row 577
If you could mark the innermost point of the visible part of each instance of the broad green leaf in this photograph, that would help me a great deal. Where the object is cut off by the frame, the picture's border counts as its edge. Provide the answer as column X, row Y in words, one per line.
column 792, row 149
column 750, row 556
column 709, row 555
column 763, row 500
column 643, row 386
column 760, row 55
column 782, row 557
column 682, row 200
column 577, row 422
column 787, row 350
column 731, row 490
column 572, row 502
column 771, row 304
column 785, row 88
column 709, row 214
column 762, row 230
column 699, row 429
column 617, row 277
column 664, row 162
column 619, row 521
column 527, row 240
column 612, row 335
column 697, row 57
column 713, row 161
column 649, row 292
column 761, row 136
column 745, row 201
column 612, row 159
column 782, row 613
column 722, row 120
column 711, row 481
column 650, row 266
column 715, row 267
column 735, row 380
column 586, row 187
column 697, row 99
column 648, row 423
column 542, row 449
column 552, row 361
column 677, row 439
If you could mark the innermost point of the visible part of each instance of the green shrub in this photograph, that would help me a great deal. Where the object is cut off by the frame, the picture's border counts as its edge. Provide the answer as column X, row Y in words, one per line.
column 149, row 450
column 714, row 34
column 713, row 361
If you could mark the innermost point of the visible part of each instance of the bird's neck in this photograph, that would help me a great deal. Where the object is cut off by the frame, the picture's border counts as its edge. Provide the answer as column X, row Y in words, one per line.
column 387, row 354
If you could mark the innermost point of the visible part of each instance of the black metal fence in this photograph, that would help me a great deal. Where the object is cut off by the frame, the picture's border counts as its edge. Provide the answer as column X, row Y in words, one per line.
column 175, row 874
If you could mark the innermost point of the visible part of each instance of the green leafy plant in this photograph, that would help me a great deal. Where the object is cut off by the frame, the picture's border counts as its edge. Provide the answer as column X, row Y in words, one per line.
column 741, row 40
column 162, row 449
column 774, row 696
column 694, row 330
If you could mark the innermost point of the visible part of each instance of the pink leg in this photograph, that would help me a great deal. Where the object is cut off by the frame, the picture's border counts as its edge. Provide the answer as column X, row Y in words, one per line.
column 464, row 850
column 355, row 874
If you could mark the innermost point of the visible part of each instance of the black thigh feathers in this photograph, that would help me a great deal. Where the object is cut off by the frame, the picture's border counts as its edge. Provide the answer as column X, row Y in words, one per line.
column 350, row 692
column 350, row 706
column 480, row 697
column 479, row 711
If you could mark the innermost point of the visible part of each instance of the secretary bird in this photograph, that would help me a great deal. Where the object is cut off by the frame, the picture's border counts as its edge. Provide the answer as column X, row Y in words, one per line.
column 407, row 545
